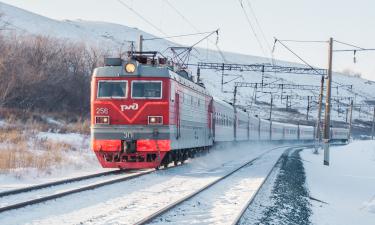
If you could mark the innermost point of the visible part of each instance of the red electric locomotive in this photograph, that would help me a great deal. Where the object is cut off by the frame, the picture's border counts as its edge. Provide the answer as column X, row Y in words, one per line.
column 146, row 112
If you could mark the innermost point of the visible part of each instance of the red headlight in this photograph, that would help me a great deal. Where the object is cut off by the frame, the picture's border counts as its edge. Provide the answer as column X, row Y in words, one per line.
column 155, row 120
column 102, row 119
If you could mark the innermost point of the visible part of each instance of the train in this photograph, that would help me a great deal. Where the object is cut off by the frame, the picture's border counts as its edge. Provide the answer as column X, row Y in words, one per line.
column 147, row 112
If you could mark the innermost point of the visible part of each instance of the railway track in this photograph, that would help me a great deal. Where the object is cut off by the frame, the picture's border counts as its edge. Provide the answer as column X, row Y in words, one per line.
column 55, row 183
column 250, row 201
column 70, row 191
column 151, row 218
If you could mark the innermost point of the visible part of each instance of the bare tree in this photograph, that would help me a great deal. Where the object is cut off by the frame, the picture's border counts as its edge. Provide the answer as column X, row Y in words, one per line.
column 46, row 74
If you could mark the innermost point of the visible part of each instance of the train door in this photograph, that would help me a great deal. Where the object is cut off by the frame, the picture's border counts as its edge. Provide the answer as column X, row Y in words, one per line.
column 210, row 120
column 177, row 113
column 214, row 121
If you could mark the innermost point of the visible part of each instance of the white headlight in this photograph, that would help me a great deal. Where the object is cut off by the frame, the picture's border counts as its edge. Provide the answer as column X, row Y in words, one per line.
column 130, row 68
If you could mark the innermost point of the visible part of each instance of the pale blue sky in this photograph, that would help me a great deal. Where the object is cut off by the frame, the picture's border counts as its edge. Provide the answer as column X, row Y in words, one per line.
column 345, row 20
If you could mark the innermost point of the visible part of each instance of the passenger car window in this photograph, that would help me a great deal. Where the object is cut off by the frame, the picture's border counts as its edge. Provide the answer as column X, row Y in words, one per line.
column 112, row 89
column 147, row 89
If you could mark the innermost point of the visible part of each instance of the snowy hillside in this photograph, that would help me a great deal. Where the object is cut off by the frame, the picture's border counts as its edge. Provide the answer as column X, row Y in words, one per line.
column 115, row 36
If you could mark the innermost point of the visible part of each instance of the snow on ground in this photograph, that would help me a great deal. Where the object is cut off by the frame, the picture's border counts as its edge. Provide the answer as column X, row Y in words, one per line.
column 3, row 123
column 127, row 202
column 222, row 203
column 77, row 161
column 347, row 185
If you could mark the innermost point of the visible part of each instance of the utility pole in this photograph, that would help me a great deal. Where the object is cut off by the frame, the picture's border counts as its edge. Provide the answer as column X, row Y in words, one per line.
column 308, row 108
column 234, row 96
column 327, row 117
column 373, row 125
column 318, row 120
column 346, row 117
column 235, row 112
column 350, row 119
column 271, row 117
column 222, row 78
column 262, row 76
column 140, row 46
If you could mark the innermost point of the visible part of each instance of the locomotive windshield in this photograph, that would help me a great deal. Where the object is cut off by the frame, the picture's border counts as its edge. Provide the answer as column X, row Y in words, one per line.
column 112, row 89
column 146, row 89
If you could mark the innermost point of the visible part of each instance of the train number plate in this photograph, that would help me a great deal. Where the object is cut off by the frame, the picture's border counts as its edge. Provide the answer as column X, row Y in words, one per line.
column 128, row 135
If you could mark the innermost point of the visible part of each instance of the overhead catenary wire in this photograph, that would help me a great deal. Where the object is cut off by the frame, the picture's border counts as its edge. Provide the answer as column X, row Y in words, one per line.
column 142, row 17
column 176, row 36
column 351, row 45
column 299, row 57
column 192, row 46
column 178, row 12
column 355, row 50
column 252, row 28
column 258, row 24
column 181, row 15
column 303, row 41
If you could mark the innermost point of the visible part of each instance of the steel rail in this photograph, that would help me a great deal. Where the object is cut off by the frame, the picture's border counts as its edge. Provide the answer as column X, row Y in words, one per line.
column 167, row 208
column 55, row 183
column 72, row 191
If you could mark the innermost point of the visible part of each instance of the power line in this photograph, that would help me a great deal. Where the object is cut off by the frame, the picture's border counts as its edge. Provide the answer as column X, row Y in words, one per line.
column 351, row 45
column 142, row 17
column 182, row 35
column 257, row 22
column 194, row 27
column 299, row 57
column 181, row 15
column 304, row 41
column 252, row 28
column 355, row 50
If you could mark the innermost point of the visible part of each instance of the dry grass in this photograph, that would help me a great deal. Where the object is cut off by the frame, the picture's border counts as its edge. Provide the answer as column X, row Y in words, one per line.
column 20, row 148
column 12, row 158
column 38, row 121
column 81, row 126
column 15, row 151
column 12, row 135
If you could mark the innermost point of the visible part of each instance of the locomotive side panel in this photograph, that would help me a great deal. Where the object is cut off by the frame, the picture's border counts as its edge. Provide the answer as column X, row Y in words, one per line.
column 189, row 116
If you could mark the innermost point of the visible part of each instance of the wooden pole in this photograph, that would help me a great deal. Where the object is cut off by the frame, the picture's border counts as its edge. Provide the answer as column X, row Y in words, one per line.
column 271, row 117
column 350, row 119
column 327, row 117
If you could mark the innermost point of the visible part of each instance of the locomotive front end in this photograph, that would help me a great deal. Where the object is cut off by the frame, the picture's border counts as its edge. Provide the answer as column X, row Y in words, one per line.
column 130, row 114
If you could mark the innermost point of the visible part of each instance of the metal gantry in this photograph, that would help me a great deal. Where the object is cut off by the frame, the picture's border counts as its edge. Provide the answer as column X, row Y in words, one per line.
column 260, row 67
column 285, row 86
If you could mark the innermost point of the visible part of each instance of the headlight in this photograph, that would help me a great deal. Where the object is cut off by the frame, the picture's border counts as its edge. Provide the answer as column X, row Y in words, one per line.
column 155, row 120
column 102, row 119
column 130, row 68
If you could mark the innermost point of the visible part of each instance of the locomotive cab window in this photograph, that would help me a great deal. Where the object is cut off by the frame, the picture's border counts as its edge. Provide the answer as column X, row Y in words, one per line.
column 147, row 89
column 112, row 89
